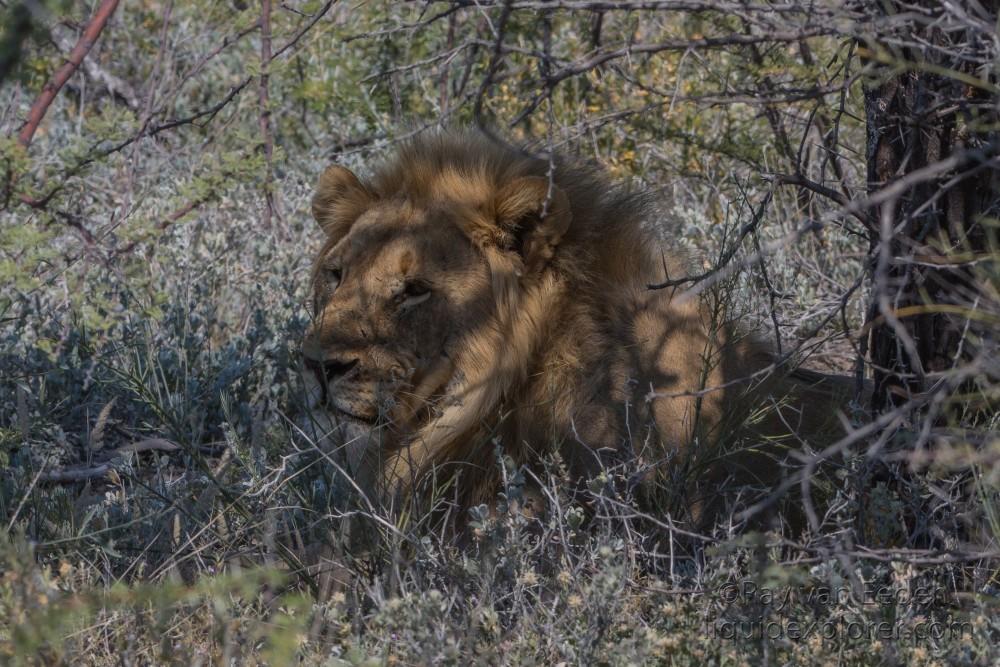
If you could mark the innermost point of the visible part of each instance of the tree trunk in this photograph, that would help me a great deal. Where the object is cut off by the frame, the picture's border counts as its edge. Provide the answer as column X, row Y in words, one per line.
column 933, row 172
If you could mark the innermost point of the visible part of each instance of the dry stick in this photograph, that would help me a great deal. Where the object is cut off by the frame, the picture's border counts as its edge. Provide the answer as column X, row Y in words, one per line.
column 491, row 71
column 104, row 469
column 156, row 77
column 579, row 67
column 77, row 474
column 62, row 75
column 727, row 255
column 443, row 97
column 24, row 498
column 264, row 117
column 306, row 28
column 820, row 189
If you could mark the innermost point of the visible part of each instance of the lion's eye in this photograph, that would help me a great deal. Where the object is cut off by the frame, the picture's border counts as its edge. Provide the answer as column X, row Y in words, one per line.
column 333, row 277
column 414, row 293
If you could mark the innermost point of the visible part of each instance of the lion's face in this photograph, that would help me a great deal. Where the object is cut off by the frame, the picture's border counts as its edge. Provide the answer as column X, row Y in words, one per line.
column 410, row 274
column 391, row 297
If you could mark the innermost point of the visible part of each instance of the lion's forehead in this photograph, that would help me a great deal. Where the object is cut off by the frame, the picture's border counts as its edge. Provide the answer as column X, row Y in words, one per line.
column 402, row 238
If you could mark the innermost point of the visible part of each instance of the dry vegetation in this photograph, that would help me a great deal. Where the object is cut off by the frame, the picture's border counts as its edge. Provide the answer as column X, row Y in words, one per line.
column 832, row 168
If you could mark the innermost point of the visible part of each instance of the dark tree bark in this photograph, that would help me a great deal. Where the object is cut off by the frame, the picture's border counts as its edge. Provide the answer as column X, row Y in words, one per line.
column 934, row 175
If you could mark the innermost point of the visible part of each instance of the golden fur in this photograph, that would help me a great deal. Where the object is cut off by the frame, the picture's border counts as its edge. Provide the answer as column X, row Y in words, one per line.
column 465, row 301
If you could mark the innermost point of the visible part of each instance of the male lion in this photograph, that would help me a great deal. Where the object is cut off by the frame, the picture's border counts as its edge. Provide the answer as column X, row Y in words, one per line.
column 466, row 301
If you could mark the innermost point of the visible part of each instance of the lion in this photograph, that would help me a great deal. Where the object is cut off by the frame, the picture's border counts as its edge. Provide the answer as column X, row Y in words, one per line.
column 471, row 299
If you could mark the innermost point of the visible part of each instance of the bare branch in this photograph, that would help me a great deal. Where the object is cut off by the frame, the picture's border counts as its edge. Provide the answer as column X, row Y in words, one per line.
column 264, row 115
column 86, row 42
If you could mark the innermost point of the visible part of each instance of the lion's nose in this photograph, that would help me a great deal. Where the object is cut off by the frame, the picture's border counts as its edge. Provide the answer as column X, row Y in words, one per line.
column 329, row 369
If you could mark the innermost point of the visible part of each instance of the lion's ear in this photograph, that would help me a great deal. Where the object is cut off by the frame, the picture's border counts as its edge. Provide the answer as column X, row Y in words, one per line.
column 339, row 200
column 533, row 215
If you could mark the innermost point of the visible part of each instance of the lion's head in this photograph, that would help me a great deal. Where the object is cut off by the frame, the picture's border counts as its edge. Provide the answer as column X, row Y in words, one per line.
column 411, row 272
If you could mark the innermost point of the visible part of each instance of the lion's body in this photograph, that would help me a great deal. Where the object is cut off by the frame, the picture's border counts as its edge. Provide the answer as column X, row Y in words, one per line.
column 538, row 331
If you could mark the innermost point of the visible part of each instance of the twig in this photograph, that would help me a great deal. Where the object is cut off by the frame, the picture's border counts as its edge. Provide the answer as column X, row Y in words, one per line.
column 149, row 445
column 264, row 114
column 105, row 468
column 306, row 28
column 838, row 197
column 722, row 264
column 496, row 58
column 77, row 474
column 684, row 45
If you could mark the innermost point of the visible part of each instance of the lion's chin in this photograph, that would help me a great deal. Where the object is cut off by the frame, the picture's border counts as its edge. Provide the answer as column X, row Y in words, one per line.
column 341, row 407
column 349, row 415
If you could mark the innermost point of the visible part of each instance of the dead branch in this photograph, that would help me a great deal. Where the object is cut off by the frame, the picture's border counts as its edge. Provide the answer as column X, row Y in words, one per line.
column 264, row 115
column 76, row 474
column 82, row 474
column 820, row 189
column 149, row 445
column 686, row 45
column 306, row 28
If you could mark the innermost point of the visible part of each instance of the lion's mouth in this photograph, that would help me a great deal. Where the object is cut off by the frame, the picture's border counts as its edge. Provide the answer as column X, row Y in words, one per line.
column 322, row 372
